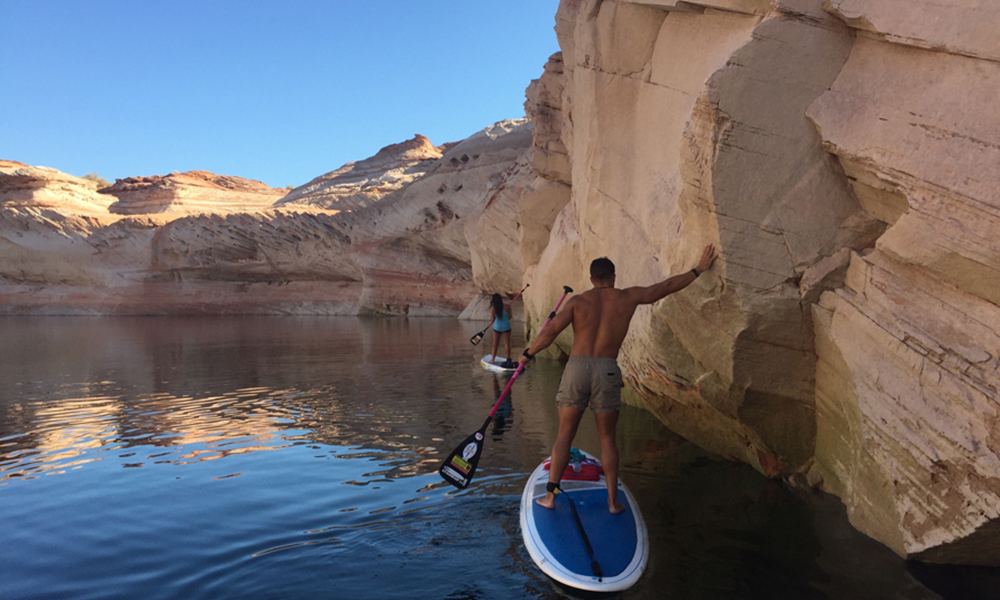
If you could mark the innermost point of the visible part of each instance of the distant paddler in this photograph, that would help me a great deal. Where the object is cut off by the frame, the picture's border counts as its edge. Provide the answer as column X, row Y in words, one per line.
column 493, row 318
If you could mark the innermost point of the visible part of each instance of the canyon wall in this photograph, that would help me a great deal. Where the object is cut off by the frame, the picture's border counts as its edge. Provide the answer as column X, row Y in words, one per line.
column 843, row 156
column 907, row 379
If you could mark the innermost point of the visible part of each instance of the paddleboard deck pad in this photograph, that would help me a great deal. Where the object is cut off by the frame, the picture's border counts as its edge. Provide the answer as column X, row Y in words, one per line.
column 620, row 542
column 496, row 363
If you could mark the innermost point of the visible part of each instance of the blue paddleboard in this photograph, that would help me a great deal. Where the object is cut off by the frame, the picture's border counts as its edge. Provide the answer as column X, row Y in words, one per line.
column 620, row 542
column 495, row 364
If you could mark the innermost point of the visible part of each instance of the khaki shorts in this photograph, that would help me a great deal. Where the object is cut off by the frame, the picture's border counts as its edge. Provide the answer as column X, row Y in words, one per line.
column 592, row 381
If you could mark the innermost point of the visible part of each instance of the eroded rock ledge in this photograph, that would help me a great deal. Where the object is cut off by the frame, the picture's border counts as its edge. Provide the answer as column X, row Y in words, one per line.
column 193, row 192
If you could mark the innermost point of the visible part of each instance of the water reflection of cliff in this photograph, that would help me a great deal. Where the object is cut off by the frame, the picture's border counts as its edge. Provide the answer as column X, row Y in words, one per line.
column 206, row 388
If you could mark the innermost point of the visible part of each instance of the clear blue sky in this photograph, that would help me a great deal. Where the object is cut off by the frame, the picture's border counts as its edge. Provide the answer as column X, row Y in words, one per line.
column 278, row 91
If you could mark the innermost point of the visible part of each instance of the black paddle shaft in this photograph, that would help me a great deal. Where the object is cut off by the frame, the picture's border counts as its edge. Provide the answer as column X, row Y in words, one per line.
column 594, row 565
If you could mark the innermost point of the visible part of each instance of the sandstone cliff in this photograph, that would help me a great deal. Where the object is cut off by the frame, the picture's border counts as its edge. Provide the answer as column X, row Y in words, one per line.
column 843, row 156
column 201, row 243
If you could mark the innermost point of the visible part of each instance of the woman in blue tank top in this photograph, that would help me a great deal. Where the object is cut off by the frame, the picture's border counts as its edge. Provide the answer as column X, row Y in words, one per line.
column 500, row 313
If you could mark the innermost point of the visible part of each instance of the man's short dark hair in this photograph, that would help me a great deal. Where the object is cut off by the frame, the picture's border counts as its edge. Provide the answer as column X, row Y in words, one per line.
column 602, row 269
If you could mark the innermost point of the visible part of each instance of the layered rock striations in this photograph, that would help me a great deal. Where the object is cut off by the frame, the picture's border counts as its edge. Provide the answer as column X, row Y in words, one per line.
column 192, row 192
column 908, row 391
column 25, row 187
column 843, row 156
column 182, row 249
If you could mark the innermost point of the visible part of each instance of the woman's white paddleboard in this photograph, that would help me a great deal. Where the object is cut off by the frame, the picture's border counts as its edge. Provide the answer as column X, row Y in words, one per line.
column 620, row 542
column 495, row 363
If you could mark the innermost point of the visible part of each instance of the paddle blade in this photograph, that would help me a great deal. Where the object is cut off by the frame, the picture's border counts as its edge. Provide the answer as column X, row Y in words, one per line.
column 476, row 338
column 461, row 464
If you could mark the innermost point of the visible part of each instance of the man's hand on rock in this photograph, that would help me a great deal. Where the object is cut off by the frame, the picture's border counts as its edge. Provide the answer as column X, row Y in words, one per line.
column 707, row 258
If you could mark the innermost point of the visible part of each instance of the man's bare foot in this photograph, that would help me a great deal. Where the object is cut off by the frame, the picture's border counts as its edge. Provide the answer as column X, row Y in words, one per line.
column 615, row 506
column 549, row 501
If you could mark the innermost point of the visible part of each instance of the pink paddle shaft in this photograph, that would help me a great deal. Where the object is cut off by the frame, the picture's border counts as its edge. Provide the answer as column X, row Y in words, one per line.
column 520, row 367
column 519, row 294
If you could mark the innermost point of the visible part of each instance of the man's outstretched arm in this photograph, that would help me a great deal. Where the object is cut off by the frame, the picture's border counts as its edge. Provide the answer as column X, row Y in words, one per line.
column 548, row 335
column 658, row 291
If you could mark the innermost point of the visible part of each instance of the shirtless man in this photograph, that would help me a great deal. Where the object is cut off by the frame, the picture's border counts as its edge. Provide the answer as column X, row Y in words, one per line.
column 600, row 319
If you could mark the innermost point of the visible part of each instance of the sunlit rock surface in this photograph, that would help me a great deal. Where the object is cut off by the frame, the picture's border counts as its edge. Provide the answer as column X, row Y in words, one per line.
column 193, row 192
column 843, row 155
column 359, row 184
column 170, row 246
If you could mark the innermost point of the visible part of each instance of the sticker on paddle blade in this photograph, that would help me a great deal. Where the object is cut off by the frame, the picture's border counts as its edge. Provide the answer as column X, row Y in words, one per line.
column 453, row 477
column 470, row 451
column 460, row 465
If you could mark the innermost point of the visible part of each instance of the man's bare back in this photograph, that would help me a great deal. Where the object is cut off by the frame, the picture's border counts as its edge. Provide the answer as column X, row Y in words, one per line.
column 600, row 319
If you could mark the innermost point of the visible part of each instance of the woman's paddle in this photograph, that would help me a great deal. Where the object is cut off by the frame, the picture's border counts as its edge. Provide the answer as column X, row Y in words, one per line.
column 461, row 464
column 479, row 336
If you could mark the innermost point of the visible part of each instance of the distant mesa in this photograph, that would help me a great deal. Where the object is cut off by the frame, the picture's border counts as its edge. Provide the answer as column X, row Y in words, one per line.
column 192, row 192
column 362, row 183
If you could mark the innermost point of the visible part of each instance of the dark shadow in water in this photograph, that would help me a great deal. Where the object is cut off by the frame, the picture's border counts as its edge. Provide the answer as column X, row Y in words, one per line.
column 958, row 582
column 720, row 530
column 586, row 595
column 727, row 532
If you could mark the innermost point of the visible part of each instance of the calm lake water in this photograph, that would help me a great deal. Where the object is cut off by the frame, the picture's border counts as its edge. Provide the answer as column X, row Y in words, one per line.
column 289, row 458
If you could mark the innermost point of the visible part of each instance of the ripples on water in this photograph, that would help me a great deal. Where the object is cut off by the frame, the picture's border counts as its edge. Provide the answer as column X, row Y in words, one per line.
column 295, row 458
